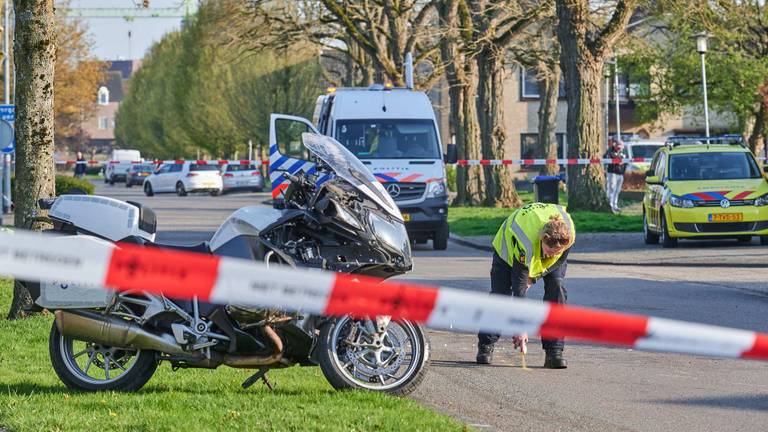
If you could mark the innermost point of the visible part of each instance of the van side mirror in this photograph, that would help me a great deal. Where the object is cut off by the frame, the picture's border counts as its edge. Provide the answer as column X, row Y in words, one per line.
column 652, row 180
column 451, row 155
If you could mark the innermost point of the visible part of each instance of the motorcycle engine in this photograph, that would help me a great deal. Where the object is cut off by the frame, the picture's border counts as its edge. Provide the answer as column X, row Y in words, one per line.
column 250, row 317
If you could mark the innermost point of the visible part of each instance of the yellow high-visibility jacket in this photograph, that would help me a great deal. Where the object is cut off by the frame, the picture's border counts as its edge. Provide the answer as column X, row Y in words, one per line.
column 518, row 237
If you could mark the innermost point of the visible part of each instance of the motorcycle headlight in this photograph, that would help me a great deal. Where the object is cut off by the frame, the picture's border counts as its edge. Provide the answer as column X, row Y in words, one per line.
column 437, row 189
column 345, row 216
column 677, row 201
column 761, row 200
column 390, row 232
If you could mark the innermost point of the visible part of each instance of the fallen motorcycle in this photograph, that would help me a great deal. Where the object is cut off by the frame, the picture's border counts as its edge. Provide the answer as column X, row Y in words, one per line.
column 337, row 217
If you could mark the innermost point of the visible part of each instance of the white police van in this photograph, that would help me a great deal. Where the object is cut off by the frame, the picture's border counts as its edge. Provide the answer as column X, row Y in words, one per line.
column 393, row 131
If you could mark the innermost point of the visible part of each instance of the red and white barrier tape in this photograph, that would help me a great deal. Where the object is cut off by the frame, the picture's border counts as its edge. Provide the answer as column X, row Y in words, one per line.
column 461, row 162
column 229, row 280
column 173, row 161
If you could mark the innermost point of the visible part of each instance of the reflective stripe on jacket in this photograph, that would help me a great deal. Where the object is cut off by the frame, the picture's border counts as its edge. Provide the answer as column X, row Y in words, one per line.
column 518, row 237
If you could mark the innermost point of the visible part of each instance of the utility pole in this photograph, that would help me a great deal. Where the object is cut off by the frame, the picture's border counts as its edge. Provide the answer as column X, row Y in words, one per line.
column 6, row 161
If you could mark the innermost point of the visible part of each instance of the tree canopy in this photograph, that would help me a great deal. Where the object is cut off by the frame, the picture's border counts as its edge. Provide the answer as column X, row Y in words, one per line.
column 194, row 93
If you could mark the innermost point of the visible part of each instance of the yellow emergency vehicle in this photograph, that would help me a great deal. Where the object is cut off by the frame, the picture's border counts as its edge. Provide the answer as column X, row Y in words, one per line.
column 700, row 188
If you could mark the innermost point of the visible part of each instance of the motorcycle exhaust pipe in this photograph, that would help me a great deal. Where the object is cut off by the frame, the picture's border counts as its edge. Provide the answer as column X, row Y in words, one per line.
column 113, row 331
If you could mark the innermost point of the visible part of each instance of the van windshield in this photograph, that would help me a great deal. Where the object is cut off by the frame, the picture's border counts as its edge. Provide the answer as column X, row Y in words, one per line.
column 712, row 166
column 643, row 150
column 389, row 139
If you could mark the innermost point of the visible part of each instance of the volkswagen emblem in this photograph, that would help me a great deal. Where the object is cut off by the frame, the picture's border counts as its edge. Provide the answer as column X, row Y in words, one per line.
column 393, row 189
column 725, row 203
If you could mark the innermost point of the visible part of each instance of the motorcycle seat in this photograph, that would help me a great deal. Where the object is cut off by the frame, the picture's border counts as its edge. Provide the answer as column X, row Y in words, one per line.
column 198, row 248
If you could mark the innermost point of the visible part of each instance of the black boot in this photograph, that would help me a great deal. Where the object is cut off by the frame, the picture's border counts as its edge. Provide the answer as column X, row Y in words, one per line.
column 555, row 360
column 484, row 354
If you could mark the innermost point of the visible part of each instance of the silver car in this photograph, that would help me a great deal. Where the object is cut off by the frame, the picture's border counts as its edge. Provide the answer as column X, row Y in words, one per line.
column 242, row 177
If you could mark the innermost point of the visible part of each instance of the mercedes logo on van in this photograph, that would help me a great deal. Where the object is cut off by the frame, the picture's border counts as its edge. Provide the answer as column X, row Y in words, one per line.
column 725, row 203
column 393, row 190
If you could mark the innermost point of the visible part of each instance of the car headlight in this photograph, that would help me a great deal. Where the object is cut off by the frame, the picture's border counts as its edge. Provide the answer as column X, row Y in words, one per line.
column 761, row 200
column 345, row 216
column 391, row 232
column 677, row 201
column 437, row 189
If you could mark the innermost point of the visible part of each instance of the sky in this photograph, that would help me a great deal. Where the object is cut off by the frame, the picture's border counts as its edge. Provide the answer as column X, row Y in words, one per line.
column 110, row 35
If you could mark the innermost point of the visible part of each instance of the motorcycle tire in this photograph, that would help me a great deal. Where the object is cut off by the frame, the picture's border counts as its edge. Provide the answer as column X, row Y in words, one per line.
column 332, row 370
column 132, row 380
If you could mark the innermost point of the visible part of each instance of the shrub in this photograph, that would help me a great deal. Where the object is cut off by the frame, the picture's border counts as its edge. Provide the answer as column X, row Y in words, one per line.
column 634, row 181
column 66, row 184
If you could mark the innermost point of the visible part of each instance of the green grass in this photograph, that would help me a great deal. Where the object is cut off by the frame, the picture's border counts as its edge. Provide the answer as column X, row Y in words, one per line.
column 478, row 221
column 33, row 398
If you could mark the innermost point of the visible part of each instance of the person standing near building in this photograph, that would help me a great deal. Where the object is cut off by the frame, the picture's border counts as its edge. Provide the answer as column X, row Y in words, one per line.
column 80, row 166
column 532, row 243
column 614, row 173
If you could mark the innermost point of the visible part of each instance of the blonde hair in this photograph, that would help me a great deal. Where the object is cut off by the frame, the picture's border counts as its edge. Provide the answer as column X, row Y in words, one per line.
column 556, row 232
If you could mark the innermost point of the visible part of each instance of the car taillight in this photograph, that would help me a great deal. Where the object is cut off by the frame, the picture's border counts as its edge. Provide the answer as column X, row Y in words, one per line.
column 228, row 175
column 256, row 173
column 191, row 174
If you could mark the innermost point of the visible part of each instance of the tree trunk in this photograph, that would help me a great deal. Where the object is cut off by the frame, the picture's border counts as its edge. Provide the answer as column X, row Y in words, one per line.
column 584, row 126
column 499, row 182
column 36, row 44
column 757, row 136
column 550, row 92
column 460, row 75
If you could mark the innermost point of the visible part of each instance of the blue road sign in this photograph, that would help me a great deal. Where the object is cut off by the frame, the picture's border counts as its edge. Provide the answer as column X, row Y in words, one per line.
column 8, row 113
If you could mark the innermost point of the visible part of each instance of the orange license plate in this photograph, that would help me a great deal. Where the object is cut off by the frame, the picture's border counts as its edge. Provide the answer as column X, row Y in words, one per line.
column 726, row 217
column 406, row 217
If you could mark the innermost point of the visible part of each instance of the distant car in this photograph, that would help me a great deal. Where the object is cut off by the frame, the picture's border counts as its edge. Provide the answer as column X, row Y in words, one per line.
column 138, row 173
column 701, row 191
column 183, row 178
column 120, row 162
column 641, row 149
column 242, row 177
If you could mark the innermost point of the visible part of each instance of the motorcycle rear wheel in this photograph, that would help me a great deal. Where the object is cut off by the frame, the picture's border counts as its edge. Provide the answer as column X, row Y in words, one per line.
column 396, row 365
column 92, row 367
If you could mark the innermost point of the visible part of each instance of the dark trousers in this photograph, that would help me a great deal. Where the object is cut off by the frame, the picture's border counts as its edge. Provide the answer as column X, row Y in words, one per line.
column 513, row 280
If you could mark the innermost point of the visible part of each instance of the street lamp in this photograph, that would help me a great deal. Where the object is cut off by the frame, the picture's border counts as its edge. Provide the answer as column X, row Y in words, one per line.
column 607, row 75
column 701, row 47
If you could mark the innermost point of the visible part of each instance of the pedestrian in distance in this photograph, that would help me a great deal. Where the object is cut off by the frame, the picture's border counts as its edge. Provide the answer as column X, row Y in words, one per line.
column 614, row 173
column 532, row 243
column 80, row 166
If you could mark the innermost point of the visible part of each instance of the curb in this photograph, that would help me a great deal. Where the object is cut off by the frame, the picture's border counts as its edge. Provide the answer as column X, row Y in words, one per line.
column 486, row 248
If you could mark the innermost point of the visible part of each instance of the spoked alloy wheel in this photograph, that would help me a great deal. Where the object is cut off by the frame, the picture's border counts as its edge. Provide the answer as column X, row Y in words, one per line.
column 83, row 365
column 354, row 355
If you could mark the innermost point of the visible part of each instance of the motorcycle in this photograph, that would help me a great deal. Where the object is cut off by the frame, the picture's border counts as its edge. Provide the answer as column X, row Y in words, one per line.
column 336, row 217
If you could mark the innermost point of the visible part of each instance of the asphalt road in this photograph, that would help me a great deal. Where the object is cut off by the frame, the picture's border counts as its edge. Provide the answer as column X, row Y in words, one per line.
column 604, row 389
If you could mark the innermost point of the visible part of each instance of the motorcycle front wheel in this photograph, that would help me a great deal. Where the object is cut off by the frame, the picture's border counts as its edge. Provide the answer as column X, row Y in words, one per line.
column 87, row 366
column 353, row 355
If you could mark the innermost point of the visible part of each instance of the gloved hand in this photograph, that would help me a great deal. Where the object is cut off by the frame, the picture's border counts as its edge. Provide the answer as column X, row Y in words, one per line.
column 521, row 342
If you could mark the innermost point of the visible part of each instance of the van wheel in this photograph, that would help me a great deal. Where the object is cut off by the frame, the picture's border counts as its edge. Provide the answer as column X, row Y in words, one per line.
column 180, row 191
column 111, row 180
column 148, row 189
column 128, row 184
column 215, row 193
column 666, row 240
column 649, row 236
column 440, row 242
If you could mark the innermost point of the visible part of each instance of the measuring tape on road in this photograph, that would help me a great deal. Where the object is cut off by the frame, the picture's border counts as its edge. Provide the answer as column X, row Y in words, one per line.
column 221, row 280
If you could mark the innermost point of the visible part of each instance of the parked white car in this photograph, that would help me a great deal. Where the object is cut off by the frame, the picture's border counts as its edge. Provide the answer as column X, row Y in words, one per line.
column 242, row 177
column 641, row 149
column 184, row 178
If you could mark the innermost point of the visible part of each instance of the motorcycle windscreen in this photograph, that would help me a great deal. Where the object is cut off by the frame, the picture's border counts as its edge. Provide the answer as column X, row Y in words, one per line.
column 347, row 166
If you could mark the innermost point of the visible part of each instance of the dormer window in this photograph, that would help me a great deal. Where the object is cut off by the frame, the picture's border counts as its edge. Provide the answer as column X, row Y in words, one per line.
column 103, row 96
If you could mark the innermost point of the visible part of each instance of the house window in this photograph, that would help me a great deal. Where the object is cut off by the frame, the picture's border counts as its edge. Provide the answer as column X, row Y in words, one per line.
column 103, row 123
column 529, row 148
column 529, row 85
column 103, row 96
